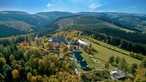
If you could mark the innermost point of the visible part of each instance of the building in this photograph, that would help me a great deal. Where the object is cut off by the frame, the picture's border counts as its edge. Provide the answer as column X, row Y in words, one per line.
column 117, row 75
column 78, row 56
column 83, row 64
column 58, row 40
column 82, row 43
column 79, row 59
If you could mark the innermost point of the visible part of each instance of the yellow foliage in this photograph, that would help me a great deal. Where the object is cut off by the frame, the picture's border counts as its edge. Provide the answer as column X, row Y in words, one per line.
column 138, row 75
column 29, row 76
column 33, row 79
column 15, row 74
column 56, row 56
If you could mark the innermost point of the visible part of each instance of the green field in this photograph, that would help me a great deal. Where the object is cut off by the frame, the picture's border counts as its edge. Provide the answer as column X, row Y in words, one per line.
column 104, row 53
column 90, row 61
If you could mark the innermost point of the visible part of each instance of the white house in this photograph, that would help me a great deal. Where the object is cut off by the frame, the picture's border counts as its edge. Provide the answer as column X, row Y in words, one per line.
column 82, row 43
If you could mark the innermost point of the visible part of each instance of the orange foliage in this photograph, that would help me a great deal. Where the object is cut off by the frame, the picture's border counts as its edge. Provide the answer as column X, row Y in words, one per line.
column 15, row 74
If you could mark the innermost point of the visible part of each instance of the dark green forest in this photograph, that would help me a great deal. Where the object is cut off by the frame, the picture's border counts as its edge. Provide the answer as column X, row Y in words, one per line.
column 131, row 41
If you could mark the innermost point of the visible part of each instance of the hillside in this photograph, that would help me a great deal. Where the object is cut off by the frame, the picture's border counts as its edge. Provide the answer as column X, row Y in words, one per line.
column 131, row 21
column 87, row 21
column 23, row 21
column 6, row 31
column 127, row 39
column 44, row 22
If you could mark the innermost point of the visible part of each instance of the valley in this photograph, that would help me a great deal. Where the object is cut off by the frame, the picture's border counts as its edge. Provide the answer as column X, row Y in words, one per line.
column 72, row 47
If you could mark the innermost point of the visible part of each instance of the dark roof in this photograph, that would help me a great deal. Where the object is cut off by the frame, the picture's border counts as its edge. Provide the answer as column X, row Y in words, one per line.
column 59, row 39
column 83, row 64
column 78, row 56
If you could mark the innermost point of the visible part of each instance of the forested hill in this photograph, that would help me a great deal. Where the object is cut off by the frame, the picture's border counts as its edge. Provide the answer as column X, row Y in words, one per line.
column 128, row 39
column 124, row 20
column 25, row 22
column 44, row 22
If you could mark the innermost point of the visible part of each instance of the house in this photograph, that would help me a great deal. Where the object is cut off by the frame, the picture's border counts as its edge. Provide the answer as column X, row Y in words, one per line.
column 82, row 43
column 117, row 75
column 81, row 62
column 57, row 40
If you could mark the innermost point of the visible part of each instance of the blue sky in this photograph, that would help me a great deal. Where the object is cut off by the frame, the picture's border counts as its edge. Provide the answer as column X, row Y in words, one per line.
column 34, row 6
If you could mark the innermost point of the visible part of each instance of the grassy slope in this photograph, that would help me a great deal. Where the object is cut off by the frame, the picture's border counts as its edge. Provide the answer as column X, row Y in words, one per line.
column 87, row 21
column 104, row 53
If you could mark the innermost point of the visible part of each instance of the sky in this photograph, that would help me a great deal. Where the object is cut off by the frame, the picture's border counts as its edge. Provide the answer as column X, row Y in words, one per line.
column 34, row 6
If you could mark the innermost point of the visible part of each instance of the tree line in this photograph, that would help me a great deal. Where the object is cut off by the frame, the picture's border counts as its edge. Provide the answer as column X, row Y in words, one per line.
column 134, row 42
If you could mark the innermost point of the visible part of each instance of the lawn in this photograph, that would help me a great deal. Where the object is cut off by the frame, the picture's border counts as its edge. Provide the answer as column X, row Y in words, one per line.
column 104, row 53
column 90, row 61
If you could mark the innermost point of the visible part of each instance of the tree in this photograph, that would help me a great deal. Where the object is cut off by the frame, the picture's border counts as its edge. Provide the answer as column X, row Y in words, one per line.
column 143, row 63
column 39, row 78
column 117, row 59
column 46, row 45
column 55, row 45
column 63, row 47
column 7, row 71
column 15, row 74
column 1, row 76
column 71, row 47
column 133, row 68
column 29, row 76
column 106, row 65
column 123, row 64
column 138, row 75
column 33, row 79
column 111, row 59
column 11, row 58
column 2, row 62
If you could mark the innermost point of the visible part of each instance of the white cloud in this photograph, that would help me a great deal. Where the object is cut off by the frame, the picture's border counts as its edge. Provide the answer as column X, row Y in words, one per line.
column 49, row 5
column 94, row 6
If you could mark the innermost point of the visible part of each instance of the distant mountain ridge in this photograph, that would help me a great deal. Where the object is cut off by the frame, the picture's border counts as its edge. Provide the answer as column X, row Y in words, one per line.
column 45, row 21
column 25, row 22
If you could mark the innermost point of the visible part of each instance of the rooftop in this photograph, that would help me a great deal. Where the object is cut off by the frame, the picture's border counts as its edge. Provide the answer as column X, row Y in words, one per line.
column 84, row 43
column 83, row 64
column 78, row 56
column 117, row 74
column 57, row 39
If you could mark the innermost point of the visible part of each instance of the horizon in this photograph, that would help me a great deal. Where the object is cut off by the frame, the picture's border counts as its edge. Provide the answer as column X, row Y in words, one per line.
column 70, row 12
column 74, row 6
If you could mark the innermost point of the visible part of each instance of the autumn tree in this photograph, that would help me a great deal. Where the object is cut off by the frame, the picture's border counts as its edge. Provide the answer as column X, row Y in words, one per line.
column 46, row 45
column 71, row 47
column 55, row 45
column 33, row 79
column 63, row 47
column 15, row 74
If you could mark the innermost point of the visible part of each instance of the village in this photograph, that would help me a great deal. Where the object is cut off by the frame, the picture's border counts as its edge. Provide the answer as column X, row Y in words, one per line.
column 77, row 49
